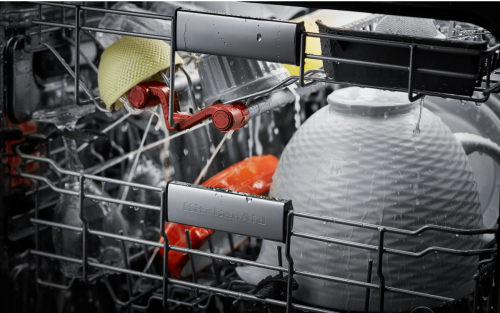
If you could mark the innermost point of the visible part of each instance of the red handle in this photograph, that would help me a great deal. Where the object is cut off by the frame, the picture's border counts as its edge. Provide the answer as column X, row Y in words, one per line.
column 224, row 116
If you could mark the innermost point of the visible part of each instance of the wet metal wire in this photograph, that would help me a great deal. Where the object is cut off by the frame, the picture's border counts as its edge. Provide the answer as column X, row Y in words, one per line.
column 223, row 288
column 381, row 249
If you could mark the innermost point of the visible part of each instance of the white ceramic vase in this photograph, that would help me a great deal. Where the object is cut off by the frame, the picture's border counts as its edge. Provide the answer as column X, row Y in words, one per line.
column 360, row 159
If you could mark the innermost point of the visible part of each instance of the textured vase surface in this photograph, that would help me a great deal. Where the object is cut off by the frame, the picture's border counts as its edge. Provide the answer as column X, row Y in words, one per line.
column 348, row 163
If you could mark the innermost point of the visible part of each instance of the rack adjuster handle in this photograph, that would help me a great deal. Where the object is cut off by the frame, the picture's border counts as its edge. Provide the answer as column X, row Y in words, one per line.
column 238, row 36
column 224, row 116
column 229, row 211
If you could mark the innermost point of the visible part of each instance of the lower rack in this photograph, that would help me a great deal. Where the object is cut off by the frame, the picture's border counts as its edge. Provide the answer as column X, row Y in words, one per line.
column 221, row 286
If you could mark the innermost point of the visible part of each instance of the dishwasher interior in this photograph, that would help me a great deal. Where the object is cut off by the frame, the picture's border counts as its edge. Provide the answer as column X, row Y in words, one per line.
column 109, row 178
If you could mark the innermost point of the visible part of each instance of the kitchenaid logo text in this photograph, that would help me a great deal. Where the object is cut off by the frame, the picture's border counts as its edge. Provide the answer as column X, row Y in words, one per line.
column 249, row 218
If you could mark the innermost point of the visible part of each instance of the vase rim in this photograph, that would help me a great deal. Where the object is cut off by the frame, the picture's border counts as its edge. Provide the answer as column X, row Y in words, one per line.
column 370, row 102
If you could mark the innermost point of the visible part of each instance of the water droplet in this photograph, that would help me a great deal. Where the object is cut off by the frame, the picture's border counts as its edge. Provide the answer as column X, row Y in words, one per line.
column 463, row 102
column 186, row 151
column 249, row 200
column 231, row 63
column 136, row 208
column 135, row 188
column 386, row 115
column 259, row 37
column 417, row 202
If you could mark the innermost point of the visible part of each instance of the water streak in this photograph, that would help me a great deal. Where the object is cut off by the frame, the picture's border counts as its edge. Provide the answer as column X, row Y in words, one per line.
column 417, row 127
column 297, row 104
column 204, row 170
column 258, row 145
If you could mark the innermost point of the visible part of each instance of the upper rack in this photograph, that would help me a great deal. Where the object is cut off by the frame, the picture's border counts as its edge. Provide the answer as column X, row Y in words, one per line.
column 468, row 67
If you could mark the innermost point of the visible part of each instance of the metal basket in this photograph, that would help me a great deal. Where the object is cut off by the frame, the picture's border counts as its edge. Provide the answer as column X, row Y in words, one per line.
column 200, row 294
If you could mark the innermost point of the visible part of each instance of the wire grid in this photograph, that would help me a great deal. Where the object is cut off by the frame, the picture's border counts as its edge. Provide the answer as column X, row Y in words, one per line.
column 381, row 249
column 210, row 291
column 492, row 62
column 310, row 77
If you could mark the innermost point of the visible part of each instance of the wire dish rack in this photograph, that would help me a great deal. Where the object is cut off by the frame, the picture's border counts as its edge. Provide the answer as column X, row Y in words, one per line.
column 201, row 294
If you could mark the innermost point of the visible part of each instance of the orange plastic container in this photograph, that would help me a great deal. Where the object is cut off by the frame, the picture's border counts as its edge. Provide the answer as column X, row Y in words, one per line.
column 253, row 175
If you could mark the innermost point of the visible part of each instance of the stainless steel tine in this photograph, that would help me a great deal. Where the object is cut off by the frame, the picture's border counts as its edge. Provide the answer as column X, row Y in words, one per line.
column 489, row 63
column 191, row 259
column 40, row 40
column 37, row 247
column 302, row 58
column 214, row 266
column 37, row 227
column 77, row 56
column 85, row 228
column 145, row 248
column 84, row 14
column 368, row 280
column 475, row 303
column 495, row 305
column 127, row 266
column 173, row 47
column 163, row 217
column 289, row 223
column 231, row 244
column 379, row 268
column 280, row 260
